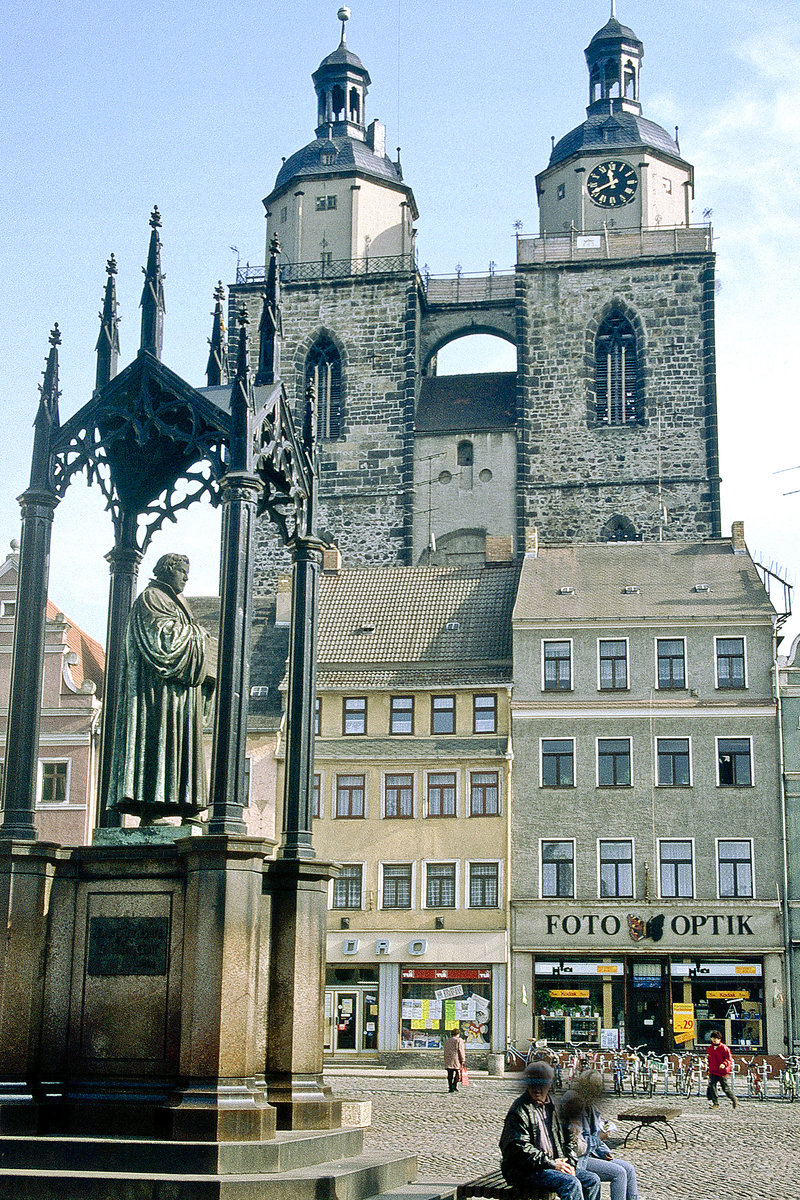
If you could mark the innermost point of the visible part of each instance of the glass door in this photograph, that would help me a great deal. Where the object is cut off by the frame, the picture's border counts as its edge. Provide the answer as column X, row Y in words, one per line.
column 646, row 1005
column 346, row 1023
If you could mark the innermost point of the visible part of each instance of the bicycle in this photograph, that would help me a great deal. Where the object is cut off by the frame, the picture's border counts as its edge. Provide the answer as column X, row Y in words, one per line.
column 756, row 1079
column 789, row 1077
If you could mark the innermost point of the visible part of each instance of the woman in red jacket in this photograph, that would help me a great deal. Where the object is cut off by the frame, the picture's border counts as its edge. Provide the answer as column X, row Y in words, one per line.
column 720, row 1068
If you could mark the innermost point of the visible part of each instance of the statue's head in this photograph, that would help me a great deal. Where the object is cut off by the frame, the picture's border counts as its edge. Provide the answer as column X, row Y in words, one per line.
column 172, row 569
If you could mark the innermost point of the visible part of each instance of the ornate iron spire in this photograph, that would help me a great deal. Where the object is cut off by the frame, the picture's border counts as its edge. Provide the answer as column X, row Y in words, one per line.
column 270, row 329
column 47, row 418
column 108, row 342
column 242, row 405
column 217, row 367
column 153, row 294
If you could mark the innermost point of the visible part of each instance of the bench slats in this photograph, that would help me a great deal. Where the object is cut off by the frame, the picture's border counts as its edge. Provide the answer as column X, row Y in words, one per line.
column 494, row 1187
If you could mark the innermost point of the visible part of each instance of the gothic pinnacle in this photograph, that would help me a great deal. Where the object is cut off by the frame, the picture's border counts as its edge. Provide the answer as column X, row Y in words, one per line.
column 47, row 418
column 217, row 366
column 107, row 347
column 153, row 293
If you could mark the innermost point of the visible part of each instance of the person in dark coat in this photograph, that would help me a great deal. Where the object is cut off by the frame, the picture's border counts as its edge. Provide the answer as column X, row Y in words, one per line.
column 538, row 1150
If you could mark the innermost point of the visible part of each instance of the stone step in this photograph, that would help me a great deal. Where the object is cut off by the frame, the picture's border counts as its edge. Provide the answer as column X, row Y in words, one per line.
column 350, row 1179
column 431, row 1189
column 284, row 1152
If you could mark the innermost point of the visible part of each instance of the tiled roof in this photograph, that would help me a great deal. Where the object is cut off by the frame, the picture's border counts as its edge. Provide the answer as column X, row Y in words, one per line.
column 667, row 575
column 413, row 677
column 452, row 402
column 615, row 131
column 395, row 616
column 413, row 748
column 269, row 647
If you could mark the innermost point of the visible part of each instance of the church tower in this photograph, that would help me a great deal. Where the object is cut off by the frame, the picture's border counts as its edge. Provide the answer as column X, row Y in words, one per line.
column 617, row 425
column 343, row 218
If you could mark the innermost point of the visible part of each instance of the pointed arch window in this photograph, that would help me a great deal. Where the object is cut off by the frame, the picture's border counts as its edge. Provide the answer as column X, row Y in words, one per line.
column 324, row 370
column 617, row 370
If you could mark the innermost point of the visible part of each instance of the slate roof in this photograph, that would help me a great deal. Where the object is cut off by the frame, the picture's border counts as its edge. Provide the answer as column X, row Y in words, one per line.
column 613, row 31
column 467, row 402
column 342, row 57
column 395, row 619
column 666, row 574
column 614, row 131
column 270, row 646
column 350, row 155
column 411, row 748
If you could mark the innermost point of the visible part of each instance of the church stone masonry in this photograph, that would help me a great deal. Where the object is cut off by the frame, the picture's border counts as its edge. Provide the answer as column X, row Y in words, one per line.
column 609, row 431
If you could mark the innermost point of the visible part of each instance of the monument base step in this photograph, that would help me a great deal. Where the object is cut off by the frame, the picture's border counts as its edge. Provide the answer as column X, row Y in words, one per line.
column 432, row 1190
column 366, row 1175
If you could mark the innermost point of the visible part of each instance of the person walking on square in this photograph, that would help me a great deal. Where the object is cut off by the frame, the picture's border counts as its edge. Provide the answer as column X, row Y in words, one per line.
column 538, row 1149
column 720, row 1069
column 455, row 1059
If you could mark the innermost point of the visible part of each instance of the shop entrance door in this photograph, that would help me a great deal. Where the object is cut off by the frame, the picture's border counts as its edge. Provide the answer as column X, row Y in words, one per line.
column 647, row 1004
column 346, row 1021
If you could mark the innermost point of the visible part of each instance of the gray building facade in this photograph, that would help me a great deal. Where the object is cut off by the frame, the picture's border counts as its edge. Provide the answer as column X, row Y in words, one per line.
column 646, row 863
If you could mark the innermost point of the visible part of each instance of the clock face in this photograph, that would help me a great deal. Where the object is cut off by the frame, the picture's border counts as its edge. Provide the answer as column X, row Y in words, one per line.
column 612, row 184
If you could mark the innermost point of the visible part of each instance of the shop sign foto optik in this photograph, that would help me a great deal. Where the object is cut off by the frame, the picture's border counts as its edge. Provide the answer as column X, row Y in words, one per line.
column 652, row 928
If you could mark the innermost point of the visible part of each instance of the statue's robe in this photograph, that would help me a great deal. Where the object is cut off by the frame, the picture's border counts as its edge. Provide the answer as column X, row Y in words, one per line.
column 158, row 767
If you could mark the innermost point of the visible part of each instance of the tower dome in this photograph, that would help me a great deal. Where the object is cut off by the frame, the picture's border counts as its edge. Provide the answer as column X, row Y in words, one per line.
column 358, row 207
column 600, row 173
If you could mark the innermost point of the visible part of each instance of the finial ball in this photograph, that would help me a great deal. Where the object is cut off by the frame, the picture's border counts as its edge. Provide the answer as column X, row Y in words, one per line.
column 14, row 545
column 343, row 14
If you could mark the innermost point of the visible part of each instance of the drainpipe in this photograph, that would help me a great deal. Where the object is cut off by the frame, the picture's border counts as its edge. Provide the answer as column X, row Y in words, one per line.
column 507, row 881
column 787, row 937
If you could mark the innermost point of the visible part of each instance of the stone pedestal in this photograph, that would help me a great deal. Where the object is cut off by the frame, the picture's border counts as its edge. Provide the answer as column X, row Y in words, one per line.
column 298, row 890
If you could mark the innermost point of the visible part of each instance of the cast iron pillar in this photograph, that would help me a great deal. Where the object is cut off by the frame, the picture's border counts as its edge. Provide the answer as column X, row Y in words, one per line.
column 124, row 562
column 24, row 705
column 298, row 784
column 240, row 490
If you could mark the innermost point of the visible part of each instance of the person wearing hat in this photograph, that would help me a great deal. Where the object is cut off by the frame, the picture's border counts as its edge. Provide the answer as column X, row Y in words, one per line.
column 538, row 1150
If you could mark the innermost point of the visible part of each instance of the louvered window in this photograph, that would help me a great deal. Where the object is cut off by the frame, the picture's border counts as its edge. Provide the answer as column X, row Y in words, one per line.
column 617, row 373
column 324, row 370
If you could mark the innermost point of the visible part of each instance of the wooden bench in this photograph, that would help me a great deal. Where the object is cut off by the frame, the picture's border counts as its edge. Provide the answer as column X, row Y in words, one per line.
column 650, row 1118
column 494, row 1187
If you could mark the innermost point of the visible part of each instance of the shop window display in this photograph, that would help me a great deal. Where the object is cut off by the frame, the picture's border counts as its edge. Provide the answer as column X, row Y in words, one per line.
column 434, row 1001
column 726, row 996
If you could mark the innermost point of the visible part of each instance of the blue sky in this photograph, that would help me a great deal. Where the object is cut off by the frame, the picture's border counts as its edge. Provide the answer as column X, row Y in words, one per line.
column 108, row 110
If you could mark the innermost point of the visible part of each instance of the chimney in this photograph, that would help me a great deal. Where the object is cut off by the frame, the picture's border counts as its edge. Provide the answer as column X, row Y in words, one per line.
column 376, row 137
column 283, row 600
column 331, row 560
column 531, row 542
column 738, row 544
column 499, row 549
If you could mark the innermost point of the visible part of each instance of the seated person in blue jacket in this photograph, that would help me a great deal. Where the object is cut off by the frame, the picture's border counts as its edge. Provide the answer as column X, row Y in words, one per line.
column 539, row 1151
column 579, row 1109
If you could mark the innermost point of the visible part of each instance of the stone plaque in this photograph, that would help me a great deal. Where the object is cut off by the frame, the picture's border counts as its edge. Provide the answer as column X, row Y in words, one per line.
column 128, row 946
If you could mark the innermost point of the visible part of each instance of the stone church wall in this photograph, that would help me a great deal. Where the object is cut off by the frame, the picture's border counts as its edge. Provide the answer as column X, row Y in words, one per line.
column 576, row 474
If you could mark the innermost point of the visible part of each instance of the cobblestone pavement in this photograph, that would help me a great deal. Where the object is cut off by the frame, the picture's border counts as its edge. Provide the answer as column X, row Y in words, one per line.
column 746, row 1154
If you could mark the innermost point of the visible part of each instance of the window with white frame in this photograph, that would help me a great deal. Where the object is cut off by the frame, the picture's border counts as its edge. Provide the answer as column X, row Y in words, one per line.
column 484, row 793
column 734, row 762
column 316, row 798
column 671, row 663
column 396, row 885
column 613, row 762
column 441, row 794
column 731, row 665
column 673, row 762
column 317, row 715
column 348, row 886
column 557, row 666
column 484, row 885
column 613, row 664
column 440, row 885
column 677, row 869
column 558, row 868
column 350, row 791
column 558, row 762
column 248, row 780
column 616, row 868
column 398, row 795
column 54, row 781
column 735, row 865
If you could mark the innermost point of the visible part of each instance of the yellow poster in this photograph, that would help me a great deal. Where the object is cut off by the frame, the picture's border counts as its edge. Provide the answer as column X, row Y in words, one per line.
column 417, row 1023
column 728, row 995
column 570, row 993
column 683, row 1025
